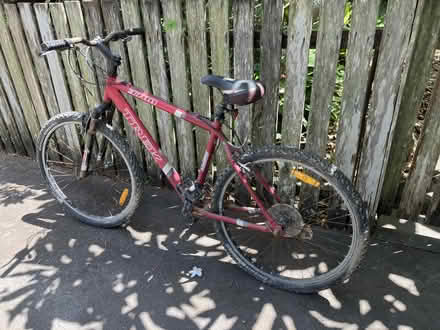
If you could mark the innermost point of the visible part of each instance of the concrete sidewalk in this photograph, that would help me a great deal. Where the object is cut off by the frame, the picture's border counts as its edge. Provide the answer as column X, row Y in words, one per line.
column 56, row 273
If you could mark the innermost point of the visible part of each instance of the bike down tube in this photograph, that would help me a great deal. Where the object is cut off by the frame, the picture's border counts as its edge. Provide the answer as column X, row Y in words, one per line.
column 112, row 94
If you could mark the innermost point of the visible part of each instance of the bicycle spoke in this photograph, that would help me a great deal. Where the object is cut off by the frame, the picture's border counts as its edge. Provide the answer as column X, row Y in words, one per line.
column 57, row 171
column 62, row 141
column 61, row 154
column 61, row 175
column 67, row 185
column 58, row 162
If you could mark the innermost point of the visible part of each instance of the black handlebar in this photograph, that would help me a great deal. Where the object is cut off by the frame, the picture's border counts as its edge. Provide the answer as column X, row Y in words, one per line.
column 67, row 43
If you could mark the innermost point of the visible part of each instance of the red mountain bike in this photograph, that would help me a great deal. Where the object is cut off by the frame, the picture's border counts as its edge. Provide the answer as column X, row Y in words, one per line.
column 287, row 217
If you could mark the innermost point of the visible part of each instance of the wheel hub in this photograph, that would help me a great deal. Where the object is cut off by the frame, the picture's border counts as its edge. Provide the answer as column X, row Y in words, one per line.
column 288, row 218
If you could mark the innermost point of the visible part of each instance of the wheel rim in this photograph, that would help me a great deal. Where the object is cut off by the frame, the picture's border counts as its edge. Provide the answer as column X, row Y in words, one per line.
column 106, row 191
column 294, row 260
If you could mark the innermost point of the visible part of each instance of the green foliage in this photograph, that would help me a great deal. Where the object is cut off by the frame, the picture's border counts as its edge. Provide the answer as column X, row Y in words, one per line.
column 169, row 25
column 348, row 13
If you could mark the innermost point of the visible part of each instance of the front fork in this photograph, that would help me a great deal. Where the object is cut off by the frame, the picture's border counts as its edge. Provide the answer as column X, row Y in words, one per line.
column 90, row 135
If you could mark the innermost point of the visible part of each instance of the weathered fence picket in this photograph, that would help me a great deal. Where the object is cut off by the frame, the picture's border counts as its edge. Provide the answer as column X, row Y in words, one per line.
column 324, row 77
column 428, row 151
column 55, row 66
column 159, row 80
column 9, row 133
column 33, row 40
column 266, row 111
column 357, row 71
column 297, row 54
column 18, row 81
column 140, row 75
column 385, row 100
column 418, row 74
column 243, row 13
column 198, row 66
column 219, row 36
column 77, row 28
column 25, row 59
column 13, row 114
column 179, row 84
column 61, row 27
column 111, row 19
column 57, row 71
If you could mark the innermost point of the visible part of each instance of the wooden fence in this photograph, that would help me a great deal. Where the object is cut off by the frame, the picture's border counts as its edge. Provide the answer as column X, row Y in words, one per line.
column 384, row 72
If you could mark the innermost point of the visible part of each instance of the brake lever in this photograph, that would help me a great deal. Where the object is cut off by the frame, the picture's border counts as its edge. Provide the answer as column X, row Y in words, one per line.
column 47, row 52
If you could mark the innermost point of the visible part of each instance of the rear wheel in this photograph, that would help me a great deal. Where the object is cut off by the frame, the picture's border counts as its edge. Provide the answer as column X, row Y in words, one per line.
column 324, row 226
column 110, row 192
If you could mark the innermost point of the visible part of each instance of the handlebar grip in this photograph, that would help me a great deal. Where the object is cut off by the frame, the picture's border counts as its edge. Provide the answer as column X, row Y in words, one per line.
column 135, row 31
column 55, row 45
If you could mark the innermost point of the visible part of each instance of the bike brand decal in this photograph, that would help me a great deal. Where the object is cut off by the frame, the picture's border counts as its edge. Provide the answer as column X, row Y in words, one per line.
column 143, row 137
column 142, row 96
column 204, row 161
column 179, row 113
column 168, row 169
column 84, row 160
column 242, row 223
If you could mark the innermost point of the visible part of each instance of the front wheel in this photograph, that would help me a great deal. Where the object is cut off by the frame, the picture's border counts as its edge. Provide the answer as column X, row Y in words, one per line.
column 324, row 225
column 109, row 191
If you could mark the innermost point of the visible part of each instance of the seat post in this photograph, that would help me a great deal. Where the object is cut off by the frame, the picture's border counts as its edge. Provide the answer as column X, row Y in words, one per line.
column 220, row 112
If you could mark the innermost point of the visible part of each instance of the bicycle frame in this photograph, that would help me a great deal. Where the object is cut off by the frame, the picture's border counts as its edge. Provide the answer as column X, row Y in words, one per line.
column 112, row 93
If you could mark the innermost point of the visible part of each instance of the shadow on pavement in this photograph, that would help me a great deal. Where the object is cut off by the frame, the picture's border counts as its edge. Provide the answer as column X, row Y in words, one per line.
column 66, row 275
